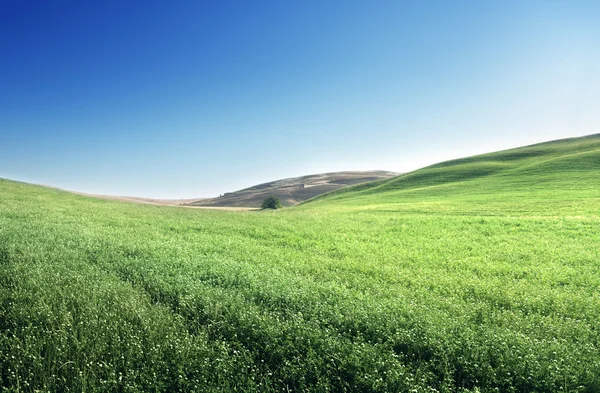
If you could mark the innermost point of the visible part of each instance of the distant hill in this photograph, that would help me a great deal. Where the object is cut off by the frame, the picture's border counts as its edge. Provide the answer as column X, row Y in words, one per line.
column 293, row 190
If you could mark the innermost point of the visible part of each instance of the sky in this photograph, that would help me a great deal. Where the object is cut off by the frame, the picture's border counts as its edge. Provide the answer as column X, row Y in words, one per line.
column 183, row 99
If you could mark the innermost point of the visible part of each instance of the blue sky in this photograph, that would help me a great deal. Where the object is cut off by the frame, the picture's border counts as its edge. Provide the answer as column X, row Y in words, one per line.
column 193, row 99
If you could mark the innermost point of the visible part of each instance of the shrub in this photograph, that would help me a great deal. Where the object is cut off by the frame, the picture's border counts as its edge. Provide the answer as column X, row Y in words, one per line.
column 271, row 202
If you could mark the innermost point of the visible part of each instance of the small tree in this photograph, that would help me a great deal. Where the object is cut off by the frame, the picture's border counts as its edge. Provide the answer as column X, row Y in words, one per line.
column 271, row 202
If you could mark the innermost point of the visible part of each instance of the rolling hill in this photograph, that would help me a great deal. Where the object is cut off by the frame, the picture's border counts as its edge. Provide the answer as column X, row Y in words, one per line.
column 554, row 170
column 473, row 275
column 294, row 190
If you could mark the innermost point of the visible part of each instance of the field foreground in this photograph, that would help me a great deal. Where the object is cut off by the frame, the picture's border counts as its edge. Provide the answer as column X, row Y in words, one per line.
column 480, row 274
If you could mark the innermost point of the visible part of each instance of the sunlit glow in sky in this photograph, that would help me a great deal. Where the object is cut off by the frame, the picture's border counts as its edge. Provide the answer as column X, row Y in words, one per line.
column 194, row 99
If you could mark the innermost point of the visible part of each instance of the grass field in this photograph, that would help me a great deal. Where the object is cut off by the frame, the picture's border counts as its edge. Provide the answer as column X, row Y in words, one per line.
column 479, row 274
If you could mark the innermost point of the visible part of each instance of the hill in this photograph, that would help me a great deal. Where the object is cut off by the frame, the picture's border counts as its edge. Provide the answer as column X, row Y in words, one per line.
column 294, row 190
column 474, row 275
column 555, row 170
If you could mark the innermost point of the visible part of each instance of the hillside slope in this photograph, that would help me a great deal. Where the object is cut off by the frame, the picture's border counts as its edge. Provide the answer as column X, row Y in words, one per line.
column 292, row 191
column 550, row 170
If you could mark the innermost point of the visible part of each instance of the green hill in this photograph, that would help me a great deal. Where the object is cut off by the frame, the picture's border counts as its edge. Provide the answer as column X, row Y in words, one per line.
column 474, row 275
column 550, row 171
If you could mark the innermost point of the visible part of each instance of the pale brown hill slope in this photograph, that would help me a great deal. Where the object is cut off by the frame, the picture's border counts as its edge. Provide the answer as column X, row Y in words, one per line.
column 294, row 190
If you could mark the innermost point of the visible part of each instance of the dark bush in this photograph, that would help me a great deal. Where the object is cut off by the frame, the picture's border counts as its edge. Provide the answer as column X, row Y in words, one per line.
column 271, row 202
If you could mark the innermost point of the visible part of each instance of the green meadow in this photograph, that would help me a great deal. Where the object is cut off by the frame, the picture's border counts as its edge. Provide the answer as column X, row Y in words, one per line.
column 474, row 275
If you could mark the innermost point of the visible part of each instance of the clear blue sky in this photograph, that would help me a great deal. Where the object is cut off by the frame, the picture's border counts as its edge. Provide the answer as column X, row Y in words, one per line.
column 193, row 99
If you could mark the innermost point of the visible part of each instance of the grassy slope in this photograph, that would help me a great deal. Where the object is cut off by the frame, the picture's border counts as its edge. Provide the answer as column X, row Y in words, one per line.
column 486, row 282
column 554, row 170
